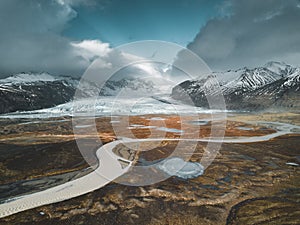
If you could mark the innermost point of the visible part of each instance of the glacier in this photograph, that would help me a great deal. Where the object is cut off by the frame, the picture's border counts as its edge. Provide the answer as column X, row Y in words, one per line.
column 111, row 105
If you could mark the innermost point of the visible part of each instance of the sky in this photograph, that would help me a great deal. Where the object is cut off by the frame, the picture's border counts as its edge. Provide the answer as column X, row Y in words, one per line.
column 119, row 22
column 65, row 36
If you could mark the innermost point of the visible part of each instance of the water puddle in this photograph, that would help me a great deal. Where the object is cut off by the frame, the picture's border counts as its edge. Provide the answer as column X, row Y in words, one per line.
column 245, row 128
column 199, row 122
column 173, row 130
column 180, row 168
column 139, row 126
column 157, row 118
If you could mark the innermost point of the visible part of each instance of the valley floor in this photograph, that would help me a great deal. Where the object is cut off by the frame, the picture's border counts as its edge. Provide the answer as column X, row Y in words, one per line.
column 247, row 183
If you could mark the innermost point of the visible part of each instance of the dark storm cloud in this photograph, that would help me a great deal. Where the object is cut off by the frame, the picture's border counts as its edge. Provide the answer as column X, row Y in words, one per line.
column 31, row 38
column 252, row 33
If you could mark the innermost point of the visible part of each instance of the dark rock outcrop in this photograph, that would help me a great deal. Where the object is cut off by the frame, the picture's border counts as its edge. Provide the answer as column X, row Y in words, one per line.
column 30, row 97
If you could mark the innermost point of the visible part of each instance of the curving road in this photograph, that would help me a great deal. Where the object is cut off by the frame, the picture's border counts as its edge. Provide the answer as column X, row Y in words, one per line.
column 109, row 169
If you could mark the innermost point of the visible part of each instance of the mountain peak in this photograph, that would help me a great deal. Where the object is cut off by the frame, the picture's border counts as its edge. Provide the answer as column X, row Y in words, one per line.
column 27, row 78
column 278, row 63
column 276, row 67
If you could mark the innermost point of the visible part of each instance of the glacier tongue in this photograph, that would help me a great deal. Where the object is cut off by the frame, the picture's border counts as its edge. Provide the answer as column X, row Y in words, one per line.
column 110, row 105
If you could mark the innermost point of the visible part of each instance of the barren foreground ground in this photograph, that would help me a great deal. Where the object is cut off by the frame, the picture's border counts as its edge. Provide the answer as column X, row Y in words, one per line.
column 247, row 183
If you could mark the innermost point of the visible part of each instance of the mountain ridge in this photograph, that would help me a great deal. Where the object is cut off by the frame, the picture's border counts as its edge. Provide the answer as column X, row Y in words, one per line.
column 33, row 91
column 273, row 85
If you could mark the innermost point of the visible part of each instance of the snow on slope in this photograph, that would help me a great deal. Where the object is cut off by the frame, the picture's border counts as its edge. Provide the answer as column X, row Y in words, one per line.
column 111, row 88
column 226, row 77
column 27, row 92
column 277, row 85
column 129, row 87
column 279, row 68
column 251, row 80
column 241, row 79
column 293, row 79
column 233, row 81
column 24, row 78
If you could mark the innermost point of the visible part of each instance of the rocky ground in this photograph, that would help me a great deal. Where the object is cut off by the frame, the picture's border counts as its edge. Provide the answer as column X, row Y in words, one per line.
column 251, row 183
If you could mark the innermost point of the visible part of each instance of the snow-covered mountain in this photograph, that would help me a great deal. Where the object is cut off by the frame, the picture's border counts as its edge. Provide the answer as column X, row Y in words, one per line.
column 279, row 68
column 245, row 89
column 18, row 83
column 283, row 93
column 31, row 91
column 128, row 87
column 34, row 91
column 251, row 80
column 272, row 85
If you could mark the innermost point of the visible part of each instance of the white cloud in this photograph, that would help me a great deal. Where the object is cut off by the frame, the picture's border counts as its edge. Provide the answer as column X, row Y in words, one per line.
column 90, row 49
column 100, row 4
column 77, row 2
column 251, row 33
column 31, row 39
